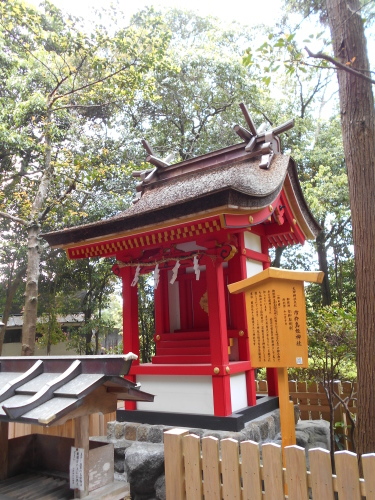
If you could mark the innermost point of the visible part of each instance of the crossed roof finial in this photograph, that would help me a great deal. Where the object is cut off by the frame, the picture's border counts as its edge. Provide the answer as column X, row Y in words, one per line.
column 261, row 142
column 269, row 138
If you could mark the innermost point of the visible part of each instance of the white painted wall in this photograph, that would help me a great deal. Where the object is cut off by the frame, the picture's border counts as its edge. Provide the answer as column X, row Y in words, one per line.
column 14, row 349
column 180, row 394
column 252, row 241
column 253, row 267
column 238, row 391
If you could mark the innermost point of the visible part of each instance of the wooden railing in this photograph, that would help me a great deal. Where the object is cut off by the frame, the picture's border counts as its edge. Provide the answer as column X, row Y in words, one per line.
column 197, row 469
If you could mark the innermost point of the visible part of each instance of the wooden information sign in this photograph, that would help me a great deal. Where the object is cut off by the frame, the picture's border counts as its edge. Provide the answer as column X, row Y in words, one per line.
column 276, row 320
column 276, row 316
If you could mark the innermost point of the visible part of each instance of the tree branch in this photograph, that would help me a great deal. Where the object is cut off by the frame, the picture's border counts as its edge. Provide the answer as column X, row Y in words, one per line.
column 86, row 106
column 95, row 82
column 14, row 219
column 348, row 69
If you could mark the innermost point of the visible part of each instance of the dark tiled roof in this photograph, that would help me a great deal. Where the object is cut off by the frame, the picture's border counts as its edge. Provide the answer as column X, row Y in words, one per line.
column 50, row 389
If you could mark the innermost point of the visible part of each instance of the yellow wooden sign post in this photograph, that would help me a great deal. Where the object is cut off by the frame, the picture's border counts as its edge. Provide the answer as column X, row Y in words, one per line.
column 276, row 320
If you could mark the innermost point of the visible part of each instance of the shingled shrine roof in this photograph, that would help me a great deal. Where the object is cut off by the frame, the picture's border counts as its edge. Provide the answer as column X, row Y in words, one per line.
column 243, row 178
column 50, row 390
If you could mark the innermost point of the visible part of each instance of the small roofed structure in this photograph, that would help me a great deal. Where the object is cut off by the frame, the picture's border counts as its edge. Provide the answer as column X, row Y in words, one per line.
column 49, row 391
column 200, row 225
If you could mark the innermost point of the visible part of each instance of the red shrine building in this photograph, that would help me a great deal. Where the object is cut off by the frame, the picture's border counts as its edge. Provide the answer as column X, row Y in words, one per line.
column 199, row 225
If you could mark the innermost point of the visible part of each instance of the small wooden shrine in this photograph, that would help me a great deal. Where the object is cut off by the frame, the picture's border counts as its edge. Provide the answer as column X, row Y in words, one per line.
column 48, row 391
column 200, row 225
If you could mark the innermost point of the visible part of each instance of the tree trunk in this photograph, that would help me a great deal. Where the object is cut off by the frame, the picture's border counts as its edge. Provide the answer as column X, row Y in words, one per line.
column 358, row 129
column 278, row 254
column 31, row 292
column 323, row 266
column 33, row 250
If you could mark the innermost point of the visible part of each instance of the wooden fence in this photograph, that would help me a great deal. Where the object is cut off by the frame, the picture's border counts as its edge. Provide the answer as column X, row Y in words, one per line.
column 312, row 399
column 198, row 469
column 97, row 427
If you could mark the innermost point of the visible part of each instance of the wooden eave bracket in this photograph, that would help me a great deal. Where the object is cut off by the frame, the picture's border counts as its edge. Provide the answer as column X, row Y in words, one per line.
column 269, row 138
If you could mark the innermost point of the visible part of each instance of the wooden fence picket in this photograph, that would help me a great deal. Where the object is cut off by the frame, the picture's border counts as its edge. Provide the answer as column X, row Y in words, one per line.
column 304, row 401
column 193, row 469
column 315, row 400
column 230, row 469
column 321, row 474
column 348, row 485
column 295, row 473
column 272, row 472
column 211, row 468
column 174, row 464
column 251, row 470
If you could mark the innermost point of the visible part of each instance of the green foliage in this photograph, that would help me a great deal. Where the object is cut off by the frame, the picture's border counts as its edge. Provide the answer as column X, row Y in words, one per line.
column 49, row 331
column 86, row 338
column 194, row 110
column 332, row 345
column 146, row 318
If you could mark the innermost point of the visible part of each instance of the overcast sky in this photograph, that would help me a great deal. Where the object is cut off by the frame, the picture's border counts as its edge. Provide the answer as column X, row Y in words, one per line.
column 244, row 11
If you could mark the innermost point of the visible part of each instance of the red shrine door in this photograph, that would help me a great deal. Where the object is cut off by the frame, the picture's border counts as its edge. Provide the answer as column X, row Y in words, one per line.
column 193, row 302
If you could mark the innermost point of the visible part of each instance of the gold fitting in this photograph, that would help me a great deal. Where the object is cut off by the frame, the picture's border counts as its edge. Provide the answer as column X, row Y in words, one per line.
column 251, row 219
column 227, row 369
column 294, row 221
column 157, row 337
column 216, row 370
column 244, row 251
column 241, row 333
column 270, row 208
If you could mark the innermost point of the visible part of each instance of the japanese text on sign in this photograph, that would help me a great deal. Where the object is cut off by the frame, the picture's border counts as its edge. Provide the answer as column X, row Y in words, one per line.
column 277, row 324
column 76, row 468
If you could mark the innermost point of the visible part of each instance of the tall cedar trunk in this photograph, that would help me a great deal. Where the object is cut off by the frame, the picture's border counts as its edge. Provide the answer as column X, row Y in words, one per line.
column 358, row 129
column 33, row 250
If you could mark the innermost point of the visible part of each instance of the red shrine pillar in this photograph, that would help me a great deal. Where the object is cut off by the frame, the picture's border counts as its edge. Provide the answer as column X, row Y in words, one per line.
column 130, row 321
column 271, row 372
column 218, row 336
column 237, row 272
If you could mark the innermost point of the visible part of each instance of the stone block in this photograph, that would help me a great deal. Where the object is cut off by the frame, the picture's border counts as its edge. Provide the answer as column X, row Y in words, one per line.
column 131, row 431
column 143, row 432
column 119, row 430
column 156, row 434
column 317, row 431
column 144, row 463
column 252, row 432
column 111, row 430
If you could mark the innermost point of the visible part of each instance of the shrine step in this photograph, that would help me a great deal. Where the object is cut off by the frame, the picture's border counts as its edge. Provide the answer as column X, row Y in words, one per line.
column 184, row 343
column 179, row 336
column 181, row 359
column 181, row 351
